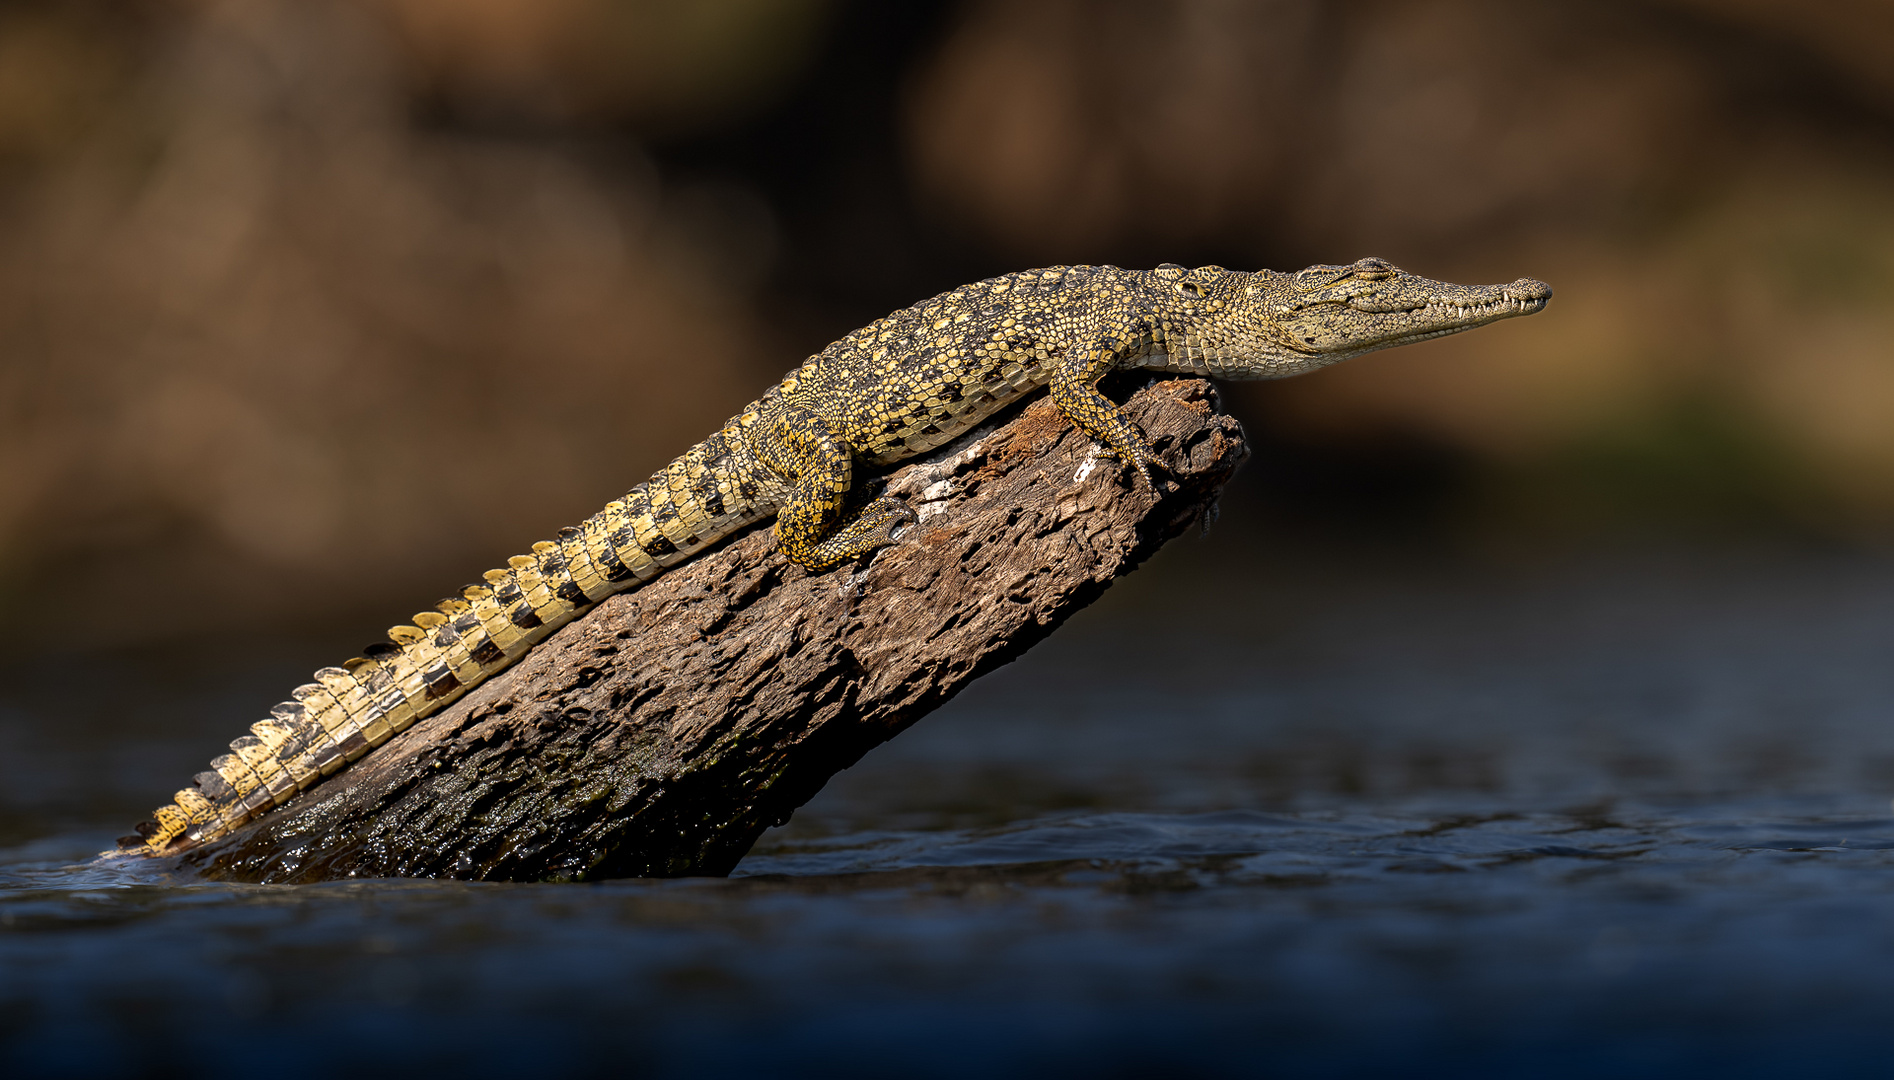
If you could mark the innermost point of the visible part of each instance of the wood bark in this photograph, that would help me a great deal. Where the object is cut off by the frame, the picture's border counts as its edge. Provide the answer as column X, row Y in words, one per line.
column 663, row 732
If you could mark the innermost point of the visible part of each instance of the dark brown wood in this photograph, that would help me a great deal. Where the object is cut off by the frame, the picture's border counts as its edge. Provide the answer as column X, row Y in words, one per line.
column 662, row 733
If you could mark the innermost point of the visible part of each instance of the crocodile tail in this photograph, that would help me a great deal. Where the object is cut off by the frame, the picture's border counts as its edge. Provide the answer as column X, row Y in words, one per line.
column 711, row 491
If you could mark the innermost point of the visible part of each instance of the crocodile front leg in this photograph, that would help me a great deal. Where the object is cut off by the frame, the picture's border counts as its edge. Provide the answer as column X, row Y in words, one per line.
column 810, row 527
column 1075, row 391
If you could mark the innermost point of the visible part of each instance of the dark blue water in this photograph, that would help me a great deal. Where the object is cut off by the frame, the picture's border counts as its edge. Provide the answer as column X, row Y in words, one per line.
column 1329, row 815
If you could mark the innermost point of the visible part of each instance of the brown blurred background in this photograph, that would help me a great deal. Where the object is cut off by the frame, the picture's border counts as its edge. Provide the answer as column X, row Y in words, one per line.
column 310, row 311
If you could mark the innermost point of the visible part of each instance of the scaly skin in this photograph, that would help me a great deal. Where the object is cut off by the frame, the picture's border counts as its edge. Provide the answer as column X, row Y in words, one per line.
column 891, row 390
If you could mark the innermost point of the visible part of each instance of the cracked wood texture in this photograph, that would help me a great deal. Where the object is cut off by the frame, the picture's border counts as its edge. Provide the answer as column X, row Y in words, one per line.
column 663, row 732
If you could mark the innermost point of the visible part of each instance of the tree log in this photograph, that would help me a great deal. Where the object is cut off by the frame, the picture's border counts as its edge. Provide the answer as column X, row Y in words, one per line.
column 663, row 732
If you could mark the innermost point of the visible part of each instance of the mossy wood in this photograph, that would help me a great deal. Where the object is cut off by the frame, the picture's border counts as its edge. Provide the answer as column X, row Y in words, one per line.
column 661, row 733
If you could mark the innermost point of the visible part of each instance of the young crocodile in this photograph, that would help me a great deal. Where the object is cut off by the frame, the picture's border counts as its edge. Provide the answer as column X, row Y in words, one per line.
column 896, row 388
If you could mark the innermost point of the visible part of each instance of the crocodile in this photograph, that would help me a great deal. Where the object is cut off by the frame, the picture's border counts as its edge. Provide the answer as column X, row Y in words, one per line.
column 899, row 387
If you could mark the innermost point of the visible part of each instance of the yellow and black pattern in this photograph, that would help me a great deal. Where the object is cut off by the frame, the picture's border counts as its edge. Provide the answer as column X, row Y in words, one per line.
column 897, row 388
column 712, row 491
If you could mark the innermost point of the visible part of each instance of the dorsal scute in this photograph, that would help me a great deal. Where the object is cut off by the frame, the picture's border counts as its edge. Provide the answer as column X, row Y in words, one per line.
column 212, row 784
column 237, row 773
column 193, row 801
column 406, row 635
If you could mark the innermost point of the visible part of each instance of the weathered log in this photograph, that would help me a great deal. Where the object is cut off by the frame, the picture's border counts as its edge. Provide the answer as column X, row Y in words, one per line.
column 662, row 733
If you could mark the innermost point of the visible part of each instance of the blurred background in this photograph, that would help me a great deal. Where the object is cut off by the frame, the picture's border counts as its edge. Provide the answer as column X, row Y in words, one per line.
column 308, row 312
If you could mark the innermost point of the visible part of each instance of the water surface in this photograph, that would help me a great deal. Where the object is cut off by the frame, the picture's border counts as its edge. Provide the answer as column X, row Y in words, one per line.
column 1353, row 816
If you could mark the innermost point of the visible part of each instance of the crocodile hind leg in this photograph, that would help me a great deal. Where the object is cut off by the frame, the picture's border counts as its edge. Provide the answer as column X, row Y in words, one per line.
column 810, row 526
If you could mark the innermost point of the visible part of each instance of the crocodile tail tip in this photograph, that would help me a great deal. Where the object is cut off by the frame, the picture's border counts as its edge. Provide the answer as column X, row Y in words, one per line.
column 167, row 823
column 141, row 838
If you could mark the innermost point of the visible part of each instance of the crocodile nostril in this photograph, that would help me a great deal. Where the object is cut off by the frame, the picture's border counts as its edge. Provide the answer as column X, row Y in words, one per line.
column 1530, row 289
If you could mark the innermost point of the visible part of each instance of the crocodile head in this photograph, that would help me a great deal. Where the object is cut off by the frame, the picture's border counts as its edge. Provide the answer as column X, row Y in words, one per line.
column 1267, row 325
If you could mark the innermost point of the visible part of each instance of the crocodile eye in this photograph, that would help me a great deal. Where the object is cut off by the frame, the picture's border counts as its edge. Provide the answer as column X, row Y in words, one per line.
column 1190, row 289
column 1372, row 269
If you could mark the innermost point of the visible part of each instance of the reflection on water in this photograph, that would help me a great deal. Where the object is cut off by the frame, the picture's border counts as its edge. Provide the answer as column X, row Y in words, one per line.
column 1628, row 815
